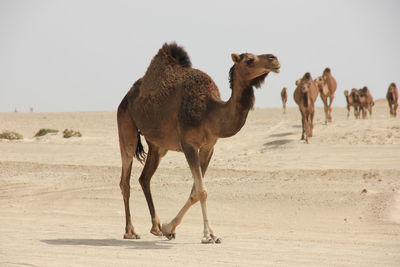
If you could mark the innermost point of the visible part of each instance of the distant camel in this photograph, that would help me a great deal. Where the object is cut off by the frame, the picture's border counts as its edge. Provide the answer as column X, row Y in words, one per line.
column 352, row 101
column 305, row 95
column 355, row 96
column 176, row 107
column 366, row 102
column 327, row 87
column 349, row 101
column 284, row 99
column 392, row 97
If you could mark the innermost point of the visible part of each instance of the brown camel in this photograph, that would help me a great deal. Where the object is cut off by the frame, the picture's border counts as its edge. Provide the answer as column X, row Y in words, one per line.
column 284, row 99
column 351, row 102
column 366, row 102
column 176, row 107
column 305, row 95
column 355, row 96
column 327, row 86
column 392, row 97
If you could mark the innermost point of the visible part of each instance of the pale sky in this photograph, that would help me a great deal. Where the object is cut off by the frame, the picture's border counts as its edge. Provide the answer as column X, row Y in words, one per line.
column 84, row 55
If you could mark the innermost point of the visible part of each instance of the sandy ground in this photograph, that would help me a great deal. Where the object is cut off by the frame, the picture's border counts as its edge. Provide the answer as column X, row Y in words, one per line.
column 272, row 199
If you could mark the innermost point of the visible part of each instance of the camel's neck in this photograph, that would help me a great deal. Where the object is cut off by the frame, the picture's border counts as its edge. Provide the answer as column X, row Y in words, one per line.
column 230, row 116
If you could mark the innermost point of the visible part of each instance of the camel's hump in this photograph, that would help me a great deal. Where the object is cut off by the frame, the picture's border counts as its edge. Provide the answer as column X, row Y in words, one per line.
column 177, row 52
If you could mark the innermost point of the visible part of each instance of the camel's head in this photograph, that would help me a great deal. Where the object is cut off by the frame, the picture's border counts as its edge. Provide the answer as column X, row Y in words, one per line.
column 346, row 93
column 305, row 83
column 320, row 81
column 252, row 69
column 355, row 94
column 391, row 88
column 363, row 91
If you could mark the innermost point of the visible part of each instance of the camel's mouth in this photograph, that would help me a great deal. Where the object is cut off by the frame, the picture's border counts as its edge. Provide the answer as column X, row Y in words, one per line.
column 262, row 74
column 276, row 70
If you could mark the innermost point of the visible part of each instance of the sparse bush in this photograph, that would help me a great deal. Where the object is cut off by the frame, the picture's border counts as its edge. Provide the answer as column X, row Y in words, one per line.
column 10, row 135
column 45, row 131
column 71, row 133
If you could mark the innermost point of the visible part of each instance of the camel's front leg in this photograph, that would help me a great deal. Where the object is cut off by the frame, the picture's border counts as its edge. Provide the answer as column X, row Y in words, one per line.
column 198, row 192
column 330, row 109
column 326, row 110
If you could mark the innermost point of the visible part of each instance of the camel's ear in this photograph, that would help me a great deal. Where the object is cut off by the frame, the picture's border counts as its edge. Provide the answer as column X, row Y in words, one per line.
column 235, row 57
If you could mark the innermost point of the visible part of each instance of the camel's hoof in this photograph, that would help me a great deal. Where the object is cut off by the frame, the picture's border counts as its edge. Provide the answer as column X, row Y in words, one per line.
column 156, row 233
column 167, row 231
column 207, row 240
column 211, row 240
column 155, row 230
column 131, row 236
column 170, row 236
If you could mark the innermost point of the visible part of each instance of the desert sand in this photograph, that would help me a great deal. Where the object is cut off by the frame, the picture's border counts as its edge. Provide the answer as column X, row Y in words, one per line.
column 274, row 200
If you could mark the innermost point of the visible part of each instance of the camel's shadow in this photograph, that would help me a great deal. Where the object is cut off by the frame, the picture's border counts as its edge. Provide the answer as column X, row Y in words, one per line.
column 136, row 244
column 277, row 143
column 281, row 134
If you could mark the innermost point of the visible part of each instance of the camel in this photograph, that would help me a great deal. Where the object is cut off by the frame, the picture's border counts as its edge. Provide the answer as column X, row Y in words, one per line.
column 327, row 86
column 352, row 100
column 355, row 95
column 179, row 108
column 305, row 95
column 392, row 97
column 366, row 102
column 349, row 101
column 284, row 99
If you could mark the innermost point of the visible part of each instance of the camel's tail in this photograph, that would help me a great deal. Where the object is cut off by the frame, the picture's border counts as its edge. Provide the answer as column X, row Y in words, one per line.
column 140, row 153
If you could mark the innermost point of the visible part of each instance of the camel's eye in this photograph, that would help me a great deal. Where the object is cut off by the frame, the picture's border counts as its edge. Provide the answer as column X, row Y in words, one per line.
column 249, row 61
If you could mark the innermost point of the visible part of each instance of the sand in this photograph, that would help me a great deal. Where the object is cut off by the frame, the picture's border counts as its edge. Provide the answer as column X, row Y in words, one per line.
column 274, row 200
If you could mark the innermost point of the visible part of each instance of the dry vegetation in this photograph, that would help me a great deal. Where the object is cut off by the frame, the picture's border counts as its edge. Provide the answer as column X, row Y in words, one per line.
column 9, row 135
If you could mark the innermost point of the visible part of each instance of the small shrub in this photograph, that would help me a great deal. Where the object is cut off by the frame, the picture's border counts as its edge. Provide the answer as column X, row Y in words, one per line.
column 71, row 133
column 45, row 131
column 10, row 135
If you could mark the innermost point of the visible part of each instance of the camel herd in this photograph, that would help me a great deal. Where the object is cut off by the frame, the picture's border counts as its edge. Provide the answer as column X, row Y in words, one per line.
column 307, row 91
column 306, row 94
column 361, row 100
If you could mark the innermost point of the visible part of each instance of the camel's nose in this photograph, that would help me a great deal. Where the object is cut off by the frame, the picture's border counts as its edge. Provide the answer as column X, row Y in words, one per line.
column 269, row 57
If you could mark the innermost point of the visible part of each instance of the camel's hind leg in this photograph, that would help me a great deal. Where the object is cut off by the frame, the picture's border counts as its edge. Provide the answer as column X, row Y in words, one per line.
column 153, row 159
column 390, row 109
column 128, row 141
column 198, row 192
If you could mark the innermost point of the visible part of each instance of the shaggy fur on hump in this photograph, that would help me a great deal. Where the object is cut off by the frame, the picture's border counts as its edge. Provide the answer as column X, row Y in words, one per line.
column 177, row 53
